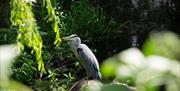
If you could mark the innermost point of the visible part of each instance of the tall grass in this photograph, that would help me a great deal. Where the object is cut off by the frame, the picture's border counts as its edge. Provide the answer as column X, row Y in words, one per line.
column 86, row 20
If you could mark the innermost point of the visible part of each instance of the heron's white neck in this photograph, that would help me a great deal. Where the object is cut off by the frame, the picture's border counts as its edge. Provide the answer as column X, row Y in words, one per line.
column 74, row 44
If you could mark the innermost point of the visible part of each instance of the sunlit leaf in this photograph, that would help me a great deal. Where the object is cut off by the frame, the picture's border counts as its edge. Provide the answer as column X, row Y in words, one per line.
column 53, row 18
column 23, row 18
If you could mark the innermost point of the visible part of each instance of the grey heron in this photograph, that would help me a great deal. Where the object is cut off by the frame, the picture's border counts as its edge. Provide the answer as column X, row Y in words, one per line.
column 86, row 58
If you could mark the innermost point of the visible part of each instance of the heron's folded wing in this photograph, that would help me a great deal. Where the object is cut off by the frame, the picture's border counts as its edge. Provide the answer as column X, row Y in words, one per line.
column 87, row 57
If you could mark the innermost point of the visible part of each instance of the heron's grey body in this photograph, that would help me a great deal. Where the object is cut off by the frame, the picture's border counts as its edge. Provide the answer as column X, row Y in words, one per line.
column 85, row 56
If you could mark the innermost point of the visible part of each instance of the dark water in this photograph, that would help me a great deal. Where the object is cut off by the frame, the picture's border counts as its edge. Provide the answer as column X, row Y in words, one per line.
column 105, row 47
column 143, row 16
column 4, row 13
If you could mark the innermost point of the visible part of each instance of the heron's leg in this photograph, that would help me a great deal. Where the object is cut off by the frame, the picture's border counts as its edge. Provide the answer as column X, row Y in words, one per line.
column 87, row 77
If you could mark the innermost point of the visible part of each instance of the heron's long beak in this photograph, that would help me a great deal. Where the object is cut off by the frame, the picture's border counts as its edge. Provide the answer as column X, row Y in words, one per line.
column 71, row 37
column 66, row 38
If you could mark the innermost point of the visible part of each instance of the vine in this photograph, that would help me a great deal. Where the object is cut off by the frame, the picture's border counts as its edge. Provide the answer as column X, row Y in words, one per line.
column 53, row 18
column 23, row 18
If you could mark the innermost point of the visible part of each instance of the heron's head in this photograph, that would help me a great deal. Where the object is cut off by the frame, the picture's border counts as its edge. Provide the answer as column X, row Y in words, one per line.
column 72, row 39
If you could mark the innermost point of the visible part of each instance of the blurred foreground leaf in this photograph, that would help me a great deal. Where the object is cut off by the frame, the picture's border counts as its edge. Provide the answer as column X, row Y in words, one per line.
column 16, row 86
column 109, row 67
column 164, row 44
column 8, row 53
column 145, row 73
column 115, row 87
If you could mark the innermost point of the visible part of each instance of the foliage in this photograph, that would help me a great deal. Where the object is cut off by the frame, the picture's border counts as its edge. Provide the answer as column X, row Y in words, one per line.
column 7, row 36
column 86, row 20
column 130, row 67
column 23, row 17
column 53, row 18
column 24, row 69
column 145, row 73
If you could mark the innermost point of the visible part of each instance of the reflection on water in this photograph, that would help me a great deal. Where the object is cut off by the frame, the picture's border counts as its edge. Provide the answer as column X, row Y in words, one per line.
column 153, row 3
column 133, row 40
